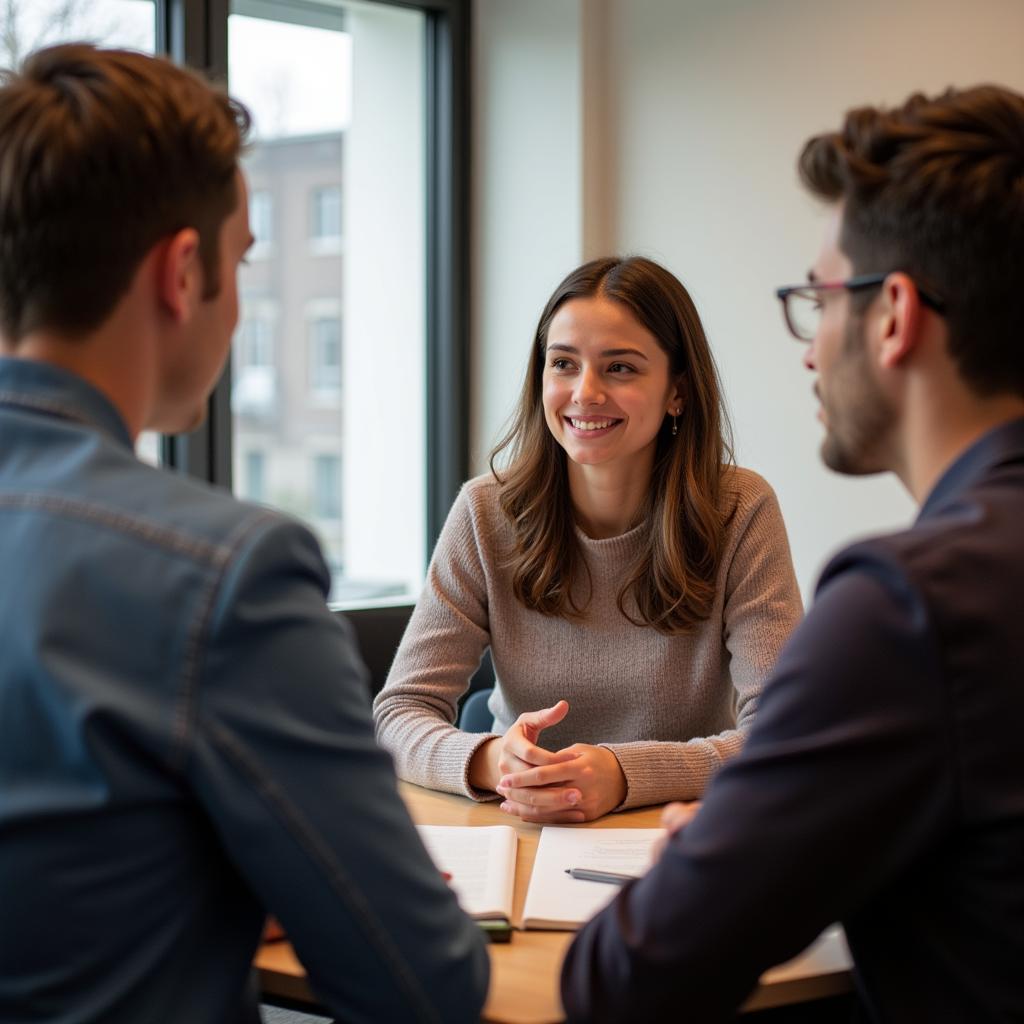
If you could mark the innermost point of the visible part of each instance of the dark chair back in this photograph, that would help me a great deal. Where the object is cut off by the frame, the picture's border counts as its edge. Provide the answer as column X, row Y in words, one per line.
column 378, row 633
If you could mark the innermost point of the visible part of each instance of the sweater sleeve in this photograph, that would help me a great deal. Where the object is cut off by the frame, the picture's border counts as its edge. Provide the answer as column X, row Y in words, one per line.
column 446, row 637
column 761, row 608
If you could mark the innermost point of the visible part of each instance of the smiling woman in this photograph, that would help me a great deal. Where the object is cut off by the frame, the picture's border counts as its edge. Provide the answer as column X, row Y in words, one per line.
column 607, row 390
column 630, row 582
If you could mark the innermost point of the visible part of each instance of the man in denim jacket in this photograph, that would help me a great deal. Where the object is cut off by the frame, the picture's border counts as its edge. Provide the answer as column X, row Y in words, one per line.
column 185, row 737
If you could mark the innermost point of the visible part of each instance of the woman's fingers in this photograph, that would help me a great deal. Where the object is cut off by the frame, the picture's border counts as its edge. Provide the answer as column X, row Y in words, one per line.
column 545, row 775
column 520, row 746
column 543, row 815
column 519, row 750
column 547, row 798
column 533, row 723
column 545, row 716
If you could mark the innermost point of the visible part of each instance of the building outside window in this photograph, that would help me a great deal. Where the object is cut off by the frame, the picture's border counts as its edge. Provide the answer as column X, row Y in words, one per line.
column 337, row 95
column 325, row 218
column 261, row 223
column 327, row 486
column 325, row 356
column 255, row 389
column 255, row 475
column 254, row 344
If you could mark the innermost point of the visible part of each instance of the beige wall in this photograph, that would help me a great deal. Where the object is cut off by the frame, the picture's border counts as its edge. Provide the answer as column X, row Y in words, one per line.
column 691, row 113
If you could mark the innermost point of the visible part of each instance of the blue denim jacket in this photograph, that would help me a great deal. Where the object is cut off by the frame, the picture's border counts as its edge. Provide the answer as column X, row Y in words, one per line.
column 186, row 744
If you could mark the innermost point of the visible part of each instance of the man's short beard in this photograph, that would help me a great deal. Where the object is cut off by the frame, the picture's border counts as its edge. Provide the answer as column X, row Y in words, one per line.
column 858, row 424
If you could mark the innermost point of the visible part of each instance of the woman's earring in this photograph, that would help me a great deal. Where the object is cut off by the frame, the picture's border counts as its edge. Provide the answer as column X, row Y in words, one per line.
column 675, row 425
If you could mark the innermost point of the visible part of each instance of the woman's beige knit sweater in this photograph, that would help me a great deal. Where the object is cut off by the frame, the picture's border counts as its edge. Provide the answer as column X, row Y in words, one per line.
column 671, row 709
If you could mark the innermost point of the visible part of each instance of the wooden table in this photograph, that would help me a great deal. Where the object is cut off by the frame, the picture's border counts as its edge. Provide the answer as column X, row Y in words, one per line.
column 525, row 972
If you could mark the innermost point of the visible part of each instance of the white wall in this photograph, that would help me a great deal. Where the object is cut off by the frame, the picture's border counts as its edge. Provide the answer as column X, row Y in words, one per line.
column 702, row 108
column 527, row 129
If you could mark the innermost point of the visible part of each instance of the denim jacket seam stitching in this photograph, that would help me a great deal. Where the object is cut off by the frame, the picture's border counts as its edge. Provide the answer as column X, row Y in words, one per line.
column 305, row 836
column 186, row 711
column 53, row 406
column 162, row 536
column 65, row 411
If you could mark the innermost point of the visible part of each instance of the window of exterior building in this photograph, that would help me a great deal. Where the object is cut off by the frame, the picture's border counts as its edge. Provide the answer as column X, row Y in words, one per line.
column 255, row 388
column 325, row 219
column 327, row 486
column 337, row 95
column 255, row 342
column 261, row 223
column 255, row 475
column 325, row 355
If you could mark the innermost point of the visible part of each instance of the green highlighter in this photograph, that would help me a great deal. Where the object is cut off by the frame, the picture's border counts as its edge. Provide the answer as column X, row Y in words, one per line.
column 496, row 931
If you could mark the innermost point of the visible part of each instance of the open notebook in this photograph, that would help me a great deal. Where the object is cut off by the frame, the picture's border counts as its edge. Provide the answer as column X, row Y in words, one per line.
column 556, row 901
column 482, row 862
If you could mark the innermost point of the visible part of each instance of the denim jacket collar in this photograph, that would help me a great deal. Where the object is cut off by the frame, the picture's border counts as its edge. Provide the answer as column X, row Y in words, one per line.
column 51, row 391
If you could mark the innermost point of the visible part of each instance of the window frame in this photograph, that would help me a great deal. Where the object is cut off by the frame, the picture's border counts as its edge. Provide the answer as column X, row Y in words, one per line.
column 318, row 311
column 195, row 33
column 263, row 246
column 327, row 495
column 254, row 457
column 316, row 237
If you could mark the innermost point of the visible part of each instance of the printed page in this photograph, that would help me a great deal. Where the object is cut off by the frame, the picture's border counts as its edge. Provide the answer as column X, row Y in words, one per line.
column 482, row 863
column 556, row 901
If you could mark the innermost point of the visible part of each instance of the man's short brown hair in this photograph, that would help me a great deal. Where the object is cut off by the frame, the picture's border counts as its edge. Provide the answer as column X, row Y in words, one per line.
column 102, row 154
column 935, row 188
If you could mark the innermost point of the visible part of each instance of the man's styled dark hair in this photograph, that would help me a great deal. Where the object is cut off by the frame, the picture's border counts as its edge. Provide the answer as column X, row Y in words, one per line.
column 102, row 154
column 935, row 188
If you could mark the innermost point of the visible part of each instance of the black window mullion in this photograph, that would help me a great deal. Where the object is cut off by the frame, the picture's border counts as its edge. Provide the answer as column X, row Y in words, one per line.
column 195, row 33
column 447, row 264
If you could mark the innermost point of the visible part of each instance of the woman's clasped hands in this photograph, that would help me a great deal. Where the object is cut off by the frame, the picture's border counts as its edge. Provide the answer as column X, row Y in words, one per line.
column 578, row 783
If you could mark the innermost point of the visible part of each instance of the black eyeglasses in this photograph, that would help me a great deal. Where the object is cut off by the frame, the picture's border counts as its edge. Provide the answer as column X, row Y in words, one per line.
column 801, row 303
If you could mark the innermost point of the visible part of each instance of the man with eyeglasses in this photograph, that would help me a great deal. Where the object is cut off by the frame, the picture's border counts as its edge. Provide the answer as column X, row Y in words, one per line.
column 883, row 783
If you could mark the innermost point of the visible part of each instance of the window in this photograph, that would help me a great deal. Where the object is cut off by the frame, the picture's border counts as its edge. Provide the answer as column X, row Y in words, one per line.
column 396, row 176
column 326, row 212
column 255, row 391
column 25, row 25
column 325, row 219
column 338, row 100
column 325, row 356
column 261, row 223
column 327, row 487
column 255, row 472
column 361, row 124
column 254, row 345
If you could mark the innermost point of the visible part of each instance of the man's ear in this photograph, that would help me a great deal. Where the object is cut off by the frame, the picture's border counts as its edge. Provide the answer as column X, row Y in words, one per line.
column 179, row 274
column 900, row 320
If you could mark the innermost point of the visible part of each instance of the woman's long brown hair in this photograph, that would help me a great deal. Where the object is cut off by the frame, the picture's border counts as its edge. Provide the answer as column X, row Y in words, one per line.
column 672, row 585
